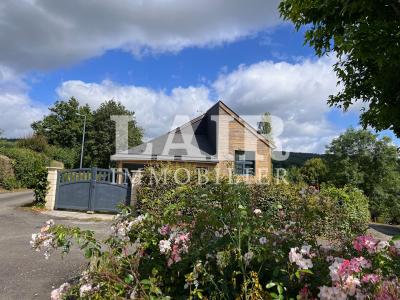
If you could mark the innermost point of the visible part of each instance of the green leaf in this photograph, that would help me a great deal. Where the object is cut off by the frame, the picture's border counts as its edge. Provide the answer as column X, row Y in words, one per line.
column 270, row 285
column 396, row 238
column 128, row 279
column 280, row 289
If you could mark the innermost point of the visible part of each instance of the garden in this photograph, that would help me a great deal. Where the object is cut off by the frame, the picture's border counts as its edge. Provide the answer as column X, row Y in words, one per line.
column 231, row 241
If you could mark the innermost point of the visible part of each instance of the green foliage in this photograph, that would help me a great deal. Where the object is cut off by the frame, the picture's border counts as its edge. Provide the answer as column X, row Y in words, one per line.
column 333, row 214
column 36, row 143
column 364, row 36
column 63, row 129
column 160, row 185
column 40, row 186
column 295, row 159
column 6, row 169
column 7, row 144
column 350, row 214
column 10, row 183
column 314, row 171
column 68, row 157
column 361, row 159
column 214, row 241
column 26, row 163
column 294, row 175
column 101, row 137
column 317, row 213
column 265, row 127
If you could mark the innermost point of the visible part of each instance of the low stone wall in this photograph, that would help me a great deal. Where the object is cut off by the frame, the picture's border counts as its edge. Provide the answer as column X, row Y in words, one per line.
column 6, row 168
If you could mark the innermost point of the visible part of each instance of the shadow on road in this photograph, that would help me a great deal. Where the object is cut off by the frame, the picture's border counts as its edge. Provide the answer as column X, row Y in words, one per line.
column 386, row 229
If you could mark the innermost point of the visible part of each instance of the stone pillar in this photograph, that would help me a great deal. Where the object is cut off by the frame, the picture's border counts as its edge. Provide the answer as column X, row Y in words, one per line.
column 51, row 193
column 135, row 182
column 120, row 177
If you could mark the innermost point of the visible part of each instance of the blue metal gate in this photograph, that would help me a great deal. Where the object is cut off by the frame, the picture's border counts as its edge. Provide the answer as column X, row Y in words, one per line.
column 92, row 189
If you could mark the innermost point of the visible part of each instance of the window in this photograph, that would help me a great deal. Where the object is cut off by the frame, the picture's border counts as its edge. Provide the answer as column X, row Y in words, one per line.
column 244, row 162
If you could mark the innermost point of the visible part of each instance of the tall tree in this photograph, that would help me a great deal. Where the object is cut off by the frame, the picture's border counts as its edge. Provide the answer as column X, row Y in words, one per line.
column 314, row 171
column 101, row 139
column 365, row 37
column 360, row 158
column 265, row 126
column 64, row 125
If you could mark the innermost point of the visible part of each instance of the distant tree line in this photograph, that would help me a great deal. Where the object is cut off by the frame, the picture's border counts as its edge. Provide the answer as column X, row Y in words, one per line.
column 63, row 128
column 358, row 158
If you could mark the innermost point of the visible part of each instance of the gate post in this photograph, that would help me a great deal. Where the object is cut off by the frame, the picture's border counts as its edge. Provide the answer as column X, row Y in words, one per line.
column 92, row 192
column 52, row 178
column 134, row 182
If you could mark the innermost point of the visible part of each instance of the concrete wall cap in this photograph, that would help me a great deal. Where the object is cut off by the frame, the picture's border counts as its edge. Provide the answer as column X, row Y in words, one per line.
column 54, row 168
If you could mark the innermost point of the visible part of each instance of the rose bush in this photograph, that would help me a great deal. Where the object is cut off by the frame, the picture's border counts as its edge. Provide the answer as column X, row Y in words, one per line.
column 219, row 241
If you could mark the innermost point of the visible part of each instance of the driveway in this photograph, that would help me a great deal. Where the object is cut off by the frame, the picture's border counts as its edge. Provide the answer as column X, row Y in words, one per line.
column 24, row 273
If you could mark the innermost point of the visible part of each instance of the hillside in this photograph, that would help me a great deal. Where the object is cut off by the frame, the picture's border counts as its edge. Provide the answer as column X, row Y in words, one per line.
column 295, row 159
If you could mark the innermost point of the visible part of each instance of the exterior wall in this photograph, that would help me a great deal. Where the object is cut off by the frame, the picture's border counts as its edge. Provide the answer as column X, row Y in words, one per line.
column 232, row 135
column 150, row 162
column 51, row 193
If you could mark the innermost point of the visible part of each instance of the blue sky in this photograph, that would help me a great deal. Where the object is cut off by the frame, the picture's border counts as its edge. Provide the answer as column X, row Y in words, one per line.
column 190, row 66
column 160, row 59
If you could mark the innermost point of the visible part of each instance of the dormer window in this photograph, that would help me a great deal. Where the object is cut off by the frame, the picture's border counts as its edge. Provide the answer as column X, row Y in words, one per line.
column 245, row 162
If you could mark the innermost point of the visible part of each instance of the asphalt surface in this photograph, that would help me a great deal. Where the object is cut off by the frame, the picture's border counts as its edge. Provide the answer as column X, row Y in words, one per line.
column 24, row 273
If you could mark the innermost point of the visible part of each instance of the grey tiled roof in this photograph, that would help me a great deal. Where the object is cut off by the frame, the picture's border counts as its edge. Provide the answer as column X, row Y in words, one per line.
column 194, row 141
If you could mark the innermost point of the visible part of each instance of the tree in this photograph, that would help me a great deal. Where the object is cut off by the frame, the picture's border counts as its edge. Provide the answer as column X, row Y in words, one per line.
column 365, row 37
column 101, row 139
column 314, row 171
column 63, row 128
column 294, row 175
column 265, row 126
column 360, row 158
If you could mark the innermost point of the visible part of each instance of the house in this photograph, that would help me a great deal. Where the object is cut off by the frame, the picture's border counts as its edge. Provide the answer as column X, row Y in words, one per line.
column 219, row 138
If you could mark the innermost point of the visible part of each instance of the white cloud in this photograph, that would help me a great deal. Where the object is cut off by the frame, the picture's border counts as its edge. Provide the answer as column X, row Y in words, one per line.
column 45, row 34
column 154, row 110
column 17, row 111
column 41, row 34
column 296, row 93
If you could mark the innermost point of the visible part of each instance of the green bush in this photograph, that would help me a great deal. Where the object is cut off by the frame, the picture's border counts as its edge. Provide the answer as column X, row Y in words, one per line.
column 350, row 213
column 41, row 186
column 69, row 157
column 36, row 143
column 159, row 188
column 10, row 183
column 7, row 144
column 211, row 242
column 336, row 215
column 6, row 168
column 26, row 162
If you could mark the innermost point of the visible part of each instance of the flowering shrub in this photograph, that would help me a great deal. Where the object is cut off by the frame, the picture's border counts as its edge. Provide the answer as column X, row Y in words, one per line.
column 333, row 214
column 212, row 242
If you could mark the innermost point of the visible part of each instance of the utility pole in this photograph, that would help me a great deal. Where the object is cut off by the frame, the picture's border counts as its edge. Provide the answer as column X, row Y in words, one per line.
column 83, row 139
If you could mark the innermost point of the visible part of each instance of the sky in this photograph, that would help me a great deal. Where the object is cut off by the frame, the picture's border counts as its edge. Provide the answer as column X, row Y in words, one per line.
column 161, row 58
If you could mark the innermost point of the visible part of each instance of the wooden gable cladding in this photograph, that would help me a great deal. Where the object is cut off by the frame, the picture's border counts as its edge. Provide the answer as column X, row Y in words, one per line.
column 233, row 134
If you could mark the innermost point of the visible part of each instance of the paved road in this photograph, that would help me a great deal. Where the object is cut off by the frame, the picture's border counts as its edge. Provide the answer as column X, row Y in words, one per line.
column 25, row 274
column 384, row 231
